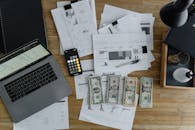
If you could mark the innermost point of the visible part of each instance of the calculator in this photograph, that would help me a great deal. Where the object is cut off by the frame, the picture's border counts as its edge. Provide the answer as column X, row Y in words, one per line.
column 73, row 62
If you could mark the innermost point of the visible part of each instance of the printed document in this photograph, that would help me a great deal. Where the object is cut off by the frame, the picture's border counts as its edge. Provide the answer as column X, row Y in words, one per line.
column 123, row 53
column 112, row 13
column 75, row 25
column 53, row 117
column 115, row 116
column 93, row 9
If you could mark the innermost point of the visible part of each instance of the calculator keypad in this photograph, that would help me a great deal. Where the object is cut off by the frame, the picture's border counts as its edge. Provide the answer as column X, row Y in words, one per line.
column 74, row 65
column 73, row 62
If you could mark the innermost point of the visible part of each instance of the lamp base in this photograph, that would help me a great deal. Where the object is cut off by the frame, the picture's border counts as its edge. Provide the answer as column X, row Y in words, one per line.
column 180, row 75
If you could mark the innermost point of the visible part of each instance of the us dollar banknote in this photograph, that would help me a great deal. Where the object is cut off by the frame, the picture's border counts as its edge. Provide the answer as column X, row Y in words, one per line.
column 112, row 90
column 129, row 91
column 95, row 90
column 146, row 92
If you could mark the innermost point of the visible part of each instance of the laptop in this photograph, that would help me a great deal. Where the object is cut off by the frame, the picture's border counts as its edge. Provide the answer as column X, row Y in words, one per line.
column 30, row 80
column 21, row 21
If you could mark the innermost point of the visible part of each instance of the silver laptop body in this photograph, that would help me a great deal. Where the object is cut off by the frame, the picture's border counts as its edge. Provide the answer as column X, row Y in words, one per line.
column 30, row 80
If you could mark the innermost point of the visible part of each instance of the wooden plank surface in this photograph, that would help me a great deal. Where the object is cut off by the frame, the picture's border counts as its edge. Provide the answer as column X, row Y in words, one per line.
column 172, row 110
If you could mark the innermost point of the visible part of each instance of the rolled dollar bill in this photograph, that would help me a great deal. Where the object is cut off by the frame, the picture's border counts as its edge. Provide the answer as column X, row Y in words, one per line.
column 129, row 91
column 95, row 90
column 113, row 89
column 146, row 92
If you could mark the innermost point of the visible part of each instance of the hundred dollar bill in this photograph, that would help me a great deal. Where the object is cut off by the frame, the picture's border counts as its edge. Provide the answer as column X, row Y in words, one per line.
column 95, row 90
column 113, row 88
column 129, row 91
column 146, row 92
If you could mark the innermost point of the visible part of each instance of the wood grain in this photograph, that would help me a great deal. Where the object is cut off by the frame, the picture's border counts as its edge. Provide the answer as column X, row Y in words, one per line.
column 172, row 110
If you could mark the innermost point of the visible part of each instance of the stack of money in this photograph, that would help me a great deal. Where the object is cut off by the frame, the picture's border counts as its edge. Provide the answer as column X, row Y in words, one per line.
column 95, row 90
column 113, row 89
column 146, row 90
column 121, row 90
column 129, row 91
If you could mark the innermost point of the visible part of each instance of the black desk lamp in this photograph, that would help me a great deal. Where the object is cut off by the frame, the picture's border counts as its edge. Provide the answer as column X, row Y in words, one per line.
column 175, row 14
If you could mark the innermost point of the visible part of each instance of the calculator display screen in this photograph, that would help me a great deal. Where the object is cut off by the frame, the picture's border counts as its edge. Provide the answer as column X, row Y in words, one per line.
column 21, row 59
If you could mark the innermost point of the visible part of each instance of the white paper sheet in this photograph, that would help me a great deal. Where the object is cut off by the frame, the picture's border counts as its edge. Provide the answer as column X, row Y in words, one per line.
column 75, row 27
column 61, row 4
column 81, row 81
column 115, row 116
column 120, row 53
column 112, row 13
column 126, row 24
column 53, row 117
column 92, row 5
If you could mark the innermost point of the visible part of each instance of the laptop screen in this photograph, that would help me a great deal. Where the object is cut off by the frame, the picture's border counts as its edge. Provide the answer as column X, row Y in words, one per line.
column 21, row 58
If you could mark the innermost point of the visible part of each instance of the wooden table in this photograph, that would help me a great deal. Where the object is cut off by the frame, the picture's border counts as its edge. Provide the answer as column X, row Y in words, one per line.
column 172, row 109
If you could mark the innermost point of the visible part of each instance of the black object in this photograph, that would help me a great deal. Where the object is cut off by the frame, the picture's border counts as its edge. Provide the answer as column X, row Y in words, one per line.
column 190, row 74
column 67, row 7
column 175, row 14
column 73, row 1
column 114, row 23
column 183, row 38
column 21, row 21
column 73, row 62
column 172, row 67
column 144, row 49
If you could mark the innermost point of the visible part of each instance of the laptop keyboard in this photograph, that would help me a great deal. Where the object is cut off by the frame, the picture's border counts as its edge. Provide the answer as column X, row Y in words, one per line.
column 30, row 82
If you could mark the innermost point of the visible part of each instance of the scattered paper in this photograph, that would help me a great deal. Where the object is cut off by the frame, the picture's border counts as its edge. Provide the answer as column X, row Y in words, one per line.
column 75, row 25
column 92, row 5
column 124, row 25
column 123, row 45
column 115, row 116
column 53, row 117
column 112, row 13
column 120, row 53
